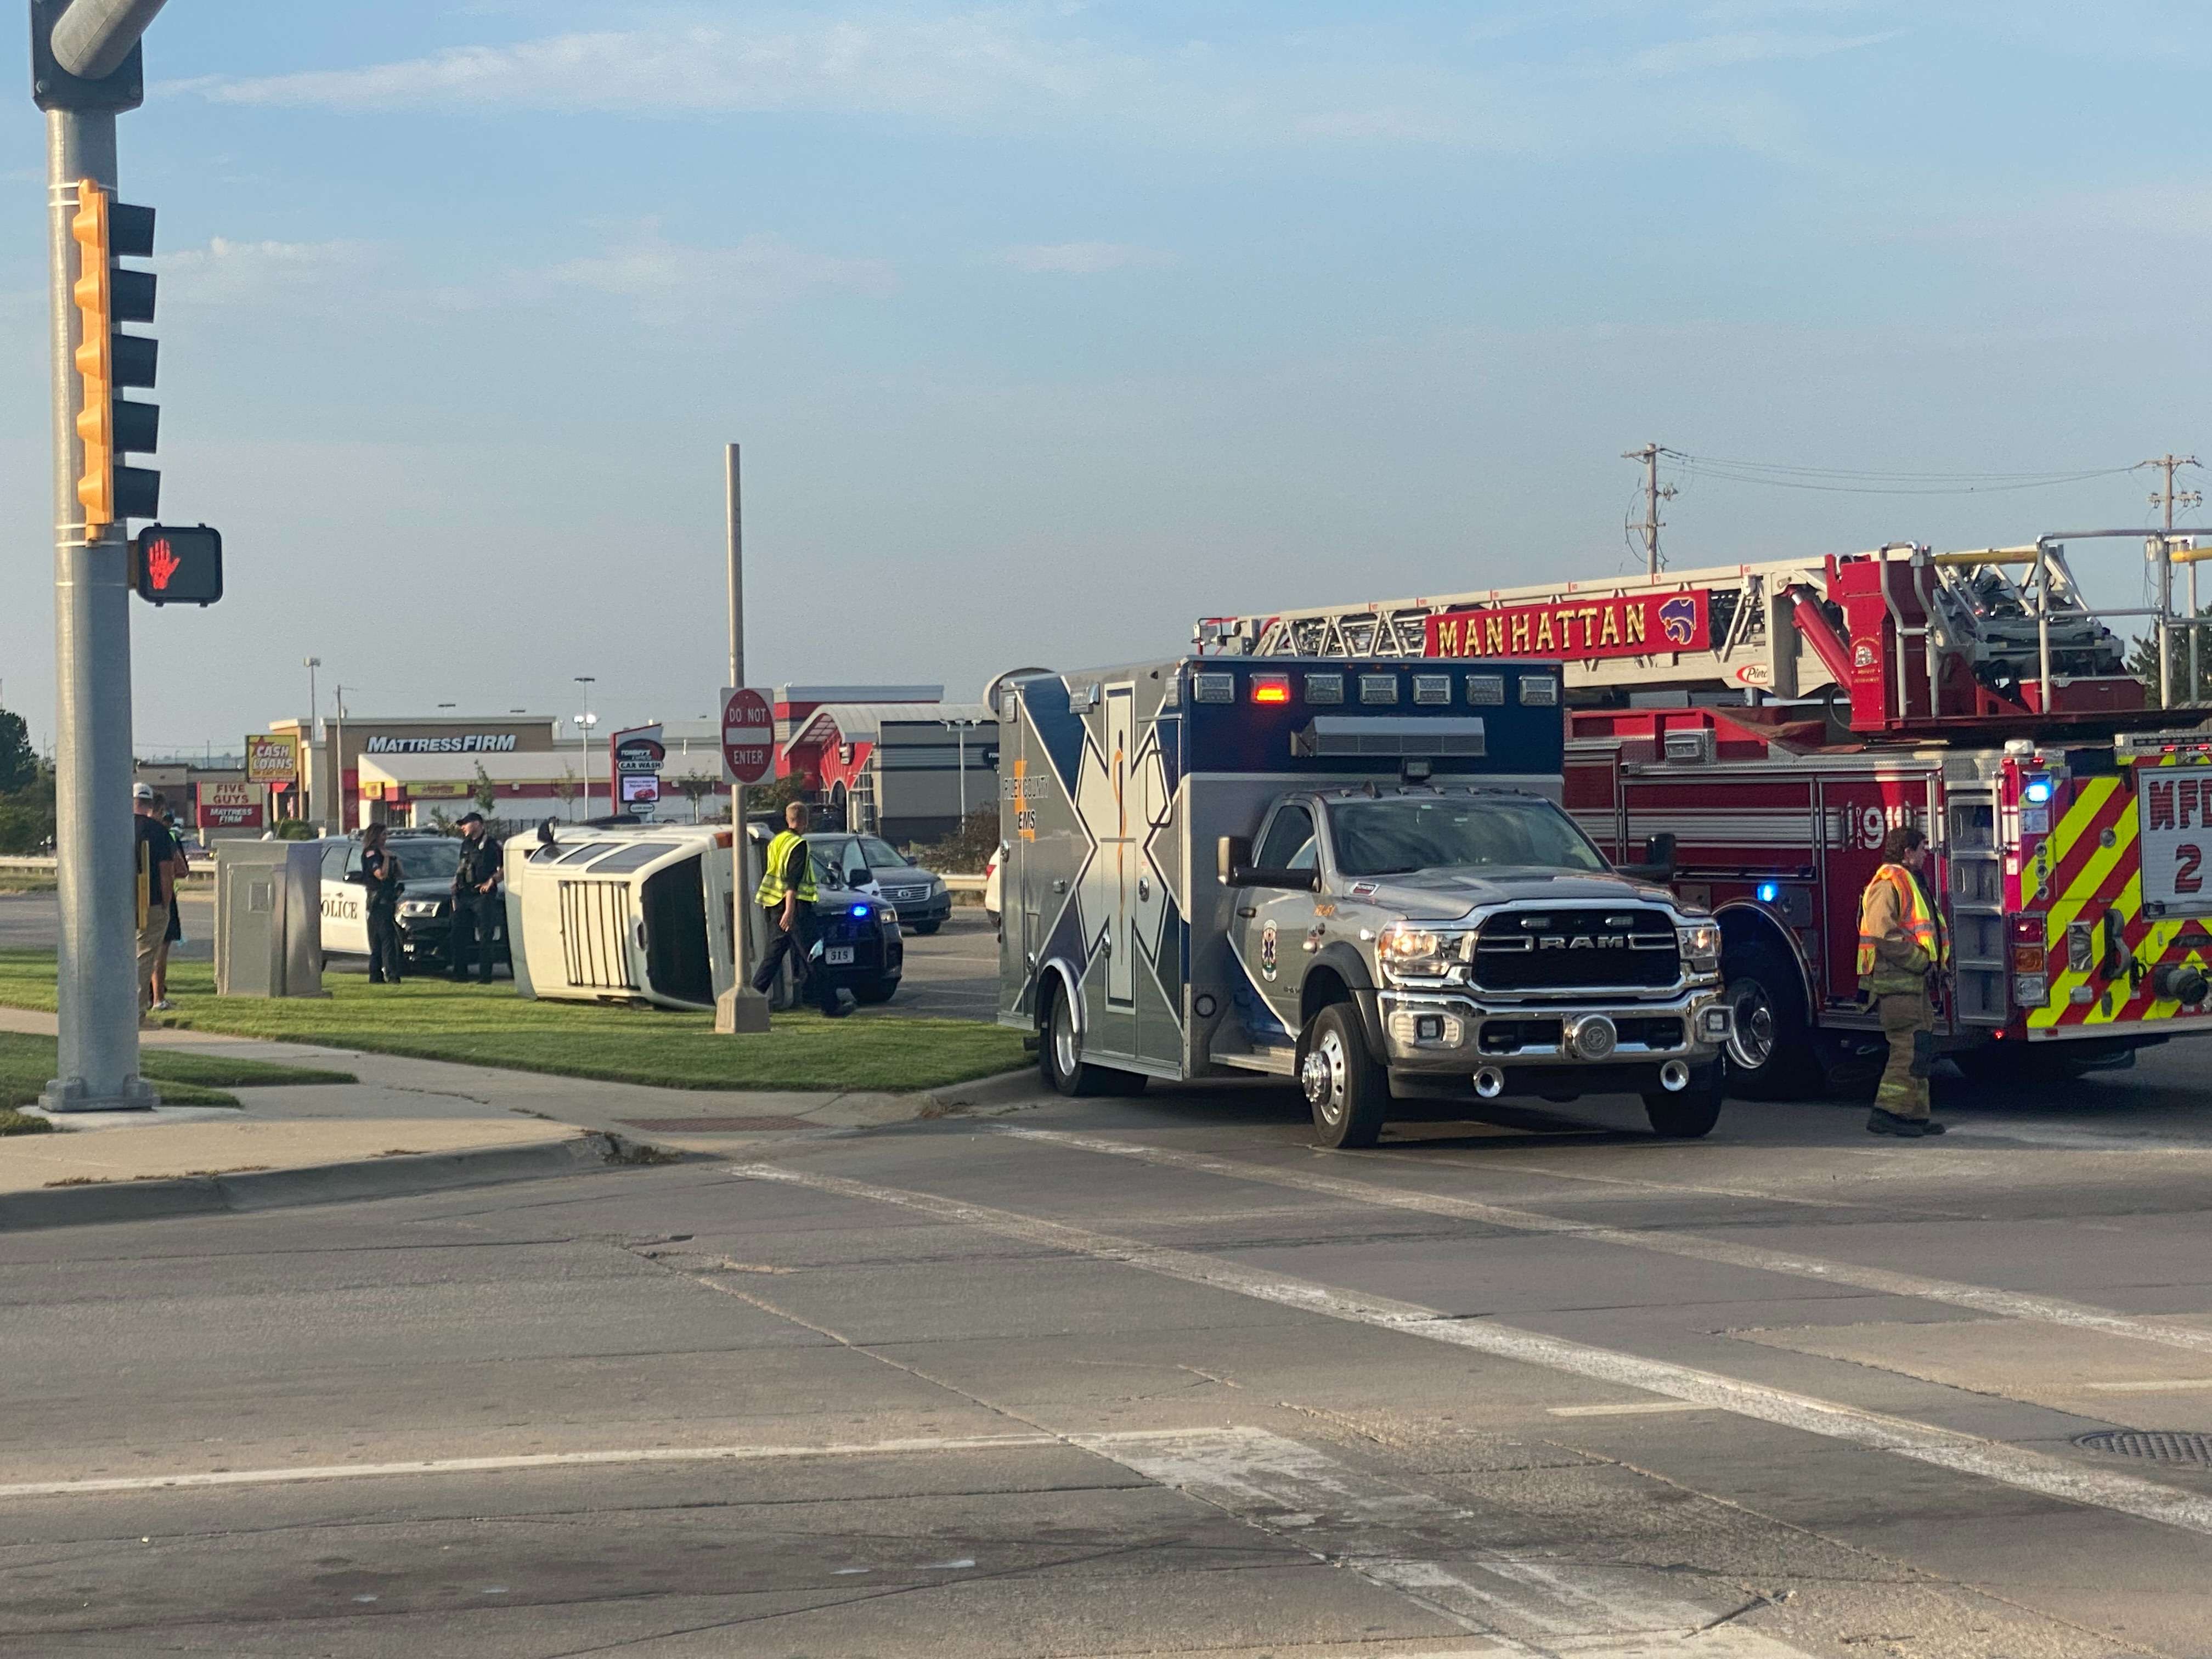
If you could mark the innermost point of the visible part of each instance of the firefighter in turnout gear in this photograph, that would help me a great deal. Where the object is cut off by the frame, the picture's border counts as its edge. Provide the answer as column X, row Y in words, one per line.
column 1901, row 944
column 787, row 893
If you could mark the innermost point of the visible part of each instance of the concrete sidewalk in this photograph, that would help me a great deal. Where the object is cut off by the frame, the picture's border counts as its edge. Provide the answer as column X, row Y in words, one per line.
column 406, row 1120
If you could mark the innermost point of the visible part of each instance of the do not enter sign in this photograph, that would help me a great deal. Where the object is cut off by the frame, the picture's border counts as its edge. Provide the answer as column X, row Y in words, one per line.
column 748, row 736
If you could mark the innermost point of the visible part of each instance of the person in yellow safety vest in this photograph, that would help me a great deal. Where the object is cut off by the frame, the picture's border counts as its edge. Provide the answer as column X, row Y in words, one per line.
column 787, row 892
column 1901, row 943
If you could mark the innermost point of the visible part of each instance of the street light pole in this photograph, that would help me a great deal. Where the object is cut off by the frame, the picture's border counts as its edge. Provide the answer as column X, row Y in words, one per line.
column 585, row 722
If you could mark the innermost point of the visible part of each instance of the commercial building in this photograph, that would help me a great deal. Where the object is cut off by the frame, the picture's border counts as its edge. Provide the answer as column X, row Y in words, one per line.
column 894, row 760
column 413, row 769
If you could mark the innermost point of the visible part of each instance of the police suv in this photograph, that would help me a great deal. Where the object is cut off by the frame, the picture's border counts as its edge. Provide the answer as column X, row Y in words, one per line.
column 427, row 863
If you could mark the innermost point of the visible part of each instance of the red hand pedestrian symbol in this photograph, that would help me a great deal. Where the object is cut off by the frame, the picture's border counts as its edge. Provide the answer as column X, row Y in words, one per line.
column 160, row 563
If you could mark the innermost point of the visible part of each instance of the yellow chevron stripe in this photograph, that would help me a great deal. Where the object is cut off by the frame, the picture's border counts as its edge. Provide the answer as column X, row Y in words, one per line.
column 2060, row 908
column 2128, row 904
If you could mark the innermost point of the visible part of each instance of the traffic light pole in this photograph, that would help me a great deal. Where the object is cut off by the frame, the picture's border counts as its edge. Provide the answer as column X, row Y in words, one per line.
column 97, row 992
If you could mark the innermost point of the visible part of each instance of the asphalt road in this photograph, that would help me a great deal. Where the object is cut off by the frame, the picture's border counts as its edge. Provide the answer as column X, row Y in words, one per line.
column 1155, row 1376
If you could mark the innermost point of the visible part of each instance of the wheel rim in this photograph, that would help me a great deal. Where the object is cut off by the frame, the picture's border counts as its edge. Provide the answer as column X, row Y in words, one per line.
column 1063, row 1038
column 1323, row 1074
column 1751, row 1044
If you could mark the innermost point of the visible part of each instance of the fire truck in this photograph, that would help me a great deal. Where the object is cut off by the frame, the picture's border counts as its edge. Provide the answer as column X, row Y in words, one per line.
column 1754, row 730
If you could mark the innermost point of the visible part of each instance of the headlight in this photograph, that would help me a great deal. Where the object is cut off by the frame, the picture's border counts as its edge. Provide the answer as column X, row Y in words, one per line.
column 1408, row 949
column 418, row 906
column 1701, row 945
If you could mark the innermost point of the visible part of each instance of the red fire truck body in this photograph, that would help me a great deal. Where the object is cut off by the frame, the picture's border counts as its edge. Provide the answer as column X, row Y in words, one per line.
column 2069, row 823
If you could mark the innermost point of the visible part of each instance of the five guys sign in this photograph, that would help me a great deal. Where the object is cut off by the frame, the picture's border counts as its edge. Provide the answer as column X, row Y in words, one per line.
column 1617, row 625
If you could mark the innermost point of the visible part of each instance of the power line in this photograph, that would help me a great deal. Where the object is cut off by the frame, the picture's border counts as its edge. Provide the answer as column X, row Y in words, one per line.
column 1871, row 482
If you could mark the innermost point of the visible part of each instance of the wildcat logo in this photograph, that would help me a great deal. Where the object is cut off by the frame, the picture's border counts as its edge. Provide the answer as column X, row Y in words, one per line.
column 1268, row 952
column 1678, row 619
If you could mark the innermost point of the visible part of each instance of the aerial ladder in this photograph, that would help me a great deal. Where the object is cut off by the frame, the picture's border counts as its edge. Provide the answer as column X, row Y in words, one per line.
column 1899, row 638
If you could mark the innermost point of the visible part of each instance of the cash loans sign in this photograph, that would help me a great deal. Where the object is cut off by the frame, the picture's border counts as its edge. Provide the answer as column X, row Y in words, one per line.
column 1578, row 629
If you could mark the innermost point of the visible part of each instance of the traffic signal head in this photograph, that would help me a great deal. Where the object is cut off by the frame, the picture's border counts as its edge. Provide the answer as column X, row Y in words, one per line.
column 107, row 297
column 177, row 565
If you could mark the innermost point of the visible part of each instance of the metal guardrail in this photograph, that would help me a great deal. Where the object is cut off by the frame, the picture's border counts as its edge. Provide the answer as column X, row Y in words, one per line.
column 965, row 883
column 45, row 864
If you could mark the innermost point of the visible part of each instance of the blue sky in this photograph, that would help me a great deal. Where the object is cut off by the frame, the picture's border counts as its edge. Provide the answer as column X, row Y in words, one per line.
column 1048, row 328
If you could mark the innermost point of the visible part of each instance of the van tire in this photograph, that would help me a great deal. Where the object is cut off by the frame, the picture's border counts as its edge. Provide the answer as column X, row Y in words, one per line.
column 1059, row 1051
column 874, row 991
column 1346, row 1090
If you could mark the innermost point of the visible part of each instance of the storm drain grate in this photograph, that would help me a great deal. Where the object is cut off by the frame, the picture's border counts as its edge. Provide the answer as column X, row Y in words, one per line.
column 2160, row 1445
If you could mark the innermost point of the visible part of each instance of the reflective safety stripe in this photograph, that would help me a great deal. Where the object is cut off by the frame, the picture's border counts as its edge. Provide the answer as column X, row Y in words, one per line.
column 1918, row 920
column 770, row 891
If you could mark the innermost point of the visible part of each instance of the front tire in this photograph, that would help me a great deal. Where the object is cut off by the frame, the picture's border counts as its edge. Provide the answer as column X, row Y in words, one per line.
column 925, row 928
column 875, row 991
column 1348, row 1091
column 1691, row 1113
column 1770, row 1050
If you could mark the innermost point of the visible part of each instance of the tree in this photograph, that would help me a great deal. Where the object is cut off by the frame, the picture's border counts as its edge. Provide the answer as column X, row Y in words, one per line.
column 565, row 791
column 2142, row 662
column 485, row 795
column 19, row 763
column 695, row 788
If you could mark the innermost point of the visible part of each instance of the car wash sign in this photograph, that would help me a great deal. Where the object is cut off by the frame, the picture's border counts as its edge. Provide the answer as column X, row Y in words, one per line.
column 638, row 754
column 1577, row 629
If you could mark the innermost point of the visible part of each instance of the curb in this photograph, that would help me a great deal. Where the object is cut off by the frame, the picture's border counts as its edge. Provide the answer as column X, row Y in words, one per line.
column 983, row 1091
column 318, row 1183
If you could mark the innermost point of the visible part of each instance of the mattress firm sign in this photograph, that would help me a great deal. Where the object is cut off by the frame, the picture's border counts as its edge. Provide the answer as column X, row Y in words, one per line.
column 468, row 743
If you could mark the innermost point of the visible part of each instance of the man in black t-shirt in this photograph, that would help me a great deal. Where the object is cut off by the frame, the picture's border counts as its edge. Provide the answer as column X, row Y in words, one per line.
column 158, row 867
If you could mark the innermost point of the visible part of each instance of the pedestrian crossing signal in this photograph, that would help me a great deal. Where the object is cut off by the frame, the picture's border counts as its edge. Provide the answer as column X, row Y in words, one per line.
column 174, row 565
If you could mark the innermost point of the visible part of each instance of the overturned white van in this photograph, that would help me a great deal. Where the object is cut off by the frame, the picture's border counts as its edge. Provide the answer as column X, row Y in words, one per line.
column 631, row 914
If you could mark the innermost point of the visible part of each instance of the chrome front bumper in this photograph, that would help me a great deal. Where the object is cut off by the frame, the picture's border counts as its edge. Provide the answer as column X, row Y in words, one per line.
column 1449, row 1033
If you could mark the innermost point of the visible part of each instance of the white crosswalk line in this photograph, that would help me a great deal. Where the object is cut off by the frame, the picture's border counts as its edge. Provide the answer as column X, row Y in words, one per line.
column 2011, row 1466
column 1982, row 1298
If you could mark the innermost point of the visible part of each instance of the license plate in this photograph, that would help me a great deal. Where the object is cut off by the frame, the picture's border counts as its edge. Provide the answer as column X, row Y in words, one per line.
column 838, row 956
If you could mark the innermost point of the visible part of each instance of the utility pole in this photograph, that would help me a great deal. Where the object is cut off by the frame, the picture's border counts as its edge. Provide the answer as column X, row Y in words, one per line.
column 337, row 758
column 741, row 1008
column 85, row 70
column 308, row 744
column 1653, row 494
column 2168, row 498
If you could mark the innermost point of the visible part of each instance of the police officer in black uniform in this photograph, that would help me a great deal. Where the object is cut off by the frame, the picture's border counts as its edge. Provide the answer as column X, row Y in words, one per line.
column 479, row 909
column 380, row 878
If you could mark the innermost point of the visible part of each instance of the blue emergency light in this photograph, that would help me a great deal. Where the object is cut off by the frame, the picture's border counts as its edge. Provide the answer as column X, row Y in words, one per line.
column 2036, row 791
column 859, row 909
column 1770, row 892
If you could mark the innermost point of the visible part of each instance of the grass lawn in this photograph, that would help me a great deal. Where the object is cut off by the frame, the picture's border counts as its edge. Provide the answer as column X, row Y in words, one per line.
column 183, row 1079
column 13, row 1123
column 491, row 1025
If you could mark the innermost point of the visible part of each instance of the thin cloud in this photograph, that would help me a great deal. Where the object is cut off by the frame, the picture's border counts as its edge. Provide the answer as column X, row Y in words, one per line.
column 238, row 273
column 1085, row 258
column 1735, row 51
column 1029, row 68
column 949, row 65
column 761, row 273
